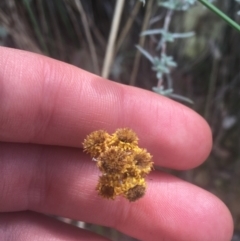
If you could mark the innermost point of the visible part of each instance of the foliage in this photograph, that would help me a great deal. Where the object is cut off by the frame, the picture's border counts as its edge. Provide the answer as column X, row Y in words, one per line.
column 143, row 1
column 162, row 63
column 220, row 14
column 238, row 1
column 176, row 4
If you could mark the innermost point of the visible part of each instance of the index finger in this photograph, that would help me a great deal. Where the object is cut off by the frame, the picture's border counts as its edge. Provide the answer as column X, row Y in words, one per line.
column 45, row 101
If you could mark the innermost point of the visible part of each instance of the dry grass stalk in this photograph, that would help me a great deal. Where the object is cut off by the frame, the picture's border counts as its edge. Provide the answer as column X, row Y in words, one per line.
column 88, row 35
column 127, row 26
column 112, row 37
column 141, row 42
column 16, row 26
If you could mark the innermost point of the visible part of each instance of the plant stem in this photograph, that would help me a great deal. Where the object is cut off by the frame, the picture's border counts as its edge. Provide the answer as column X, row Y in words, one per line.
column 222, row 15
column 163, row 46
column 128, row 25
column 212, row 83
column 88, row 35
column 141, row 42
column 36, row 27
column 112, row 38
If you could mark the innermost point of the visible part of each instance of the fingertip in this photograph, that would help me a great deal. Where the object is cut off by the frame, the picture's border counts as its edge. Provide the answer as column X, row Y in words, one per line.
column 174, row 134
column 199, row 214
column 177, row 210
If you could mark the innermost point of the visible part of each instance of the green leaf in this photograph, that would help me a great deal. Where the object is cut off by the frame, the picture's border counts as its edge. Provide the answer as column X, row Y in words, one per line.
column 222, row 15
column 145, row 53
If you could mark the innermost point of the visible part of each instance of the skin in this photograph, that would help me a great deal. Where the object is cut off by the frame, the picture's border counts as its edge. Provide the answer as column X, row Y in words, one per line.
column 47, row 108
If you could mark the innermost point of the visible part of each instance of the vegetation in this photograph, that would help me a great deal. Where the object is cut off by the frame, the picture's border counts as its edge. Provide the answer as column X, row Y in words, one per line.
column 183, row 51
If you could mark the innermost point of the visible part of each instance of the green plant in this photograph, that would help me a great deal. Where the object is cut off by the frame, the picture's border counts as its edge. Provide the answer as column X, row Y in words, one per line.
column 223, row 16
column 161, row 62
column 238, row 1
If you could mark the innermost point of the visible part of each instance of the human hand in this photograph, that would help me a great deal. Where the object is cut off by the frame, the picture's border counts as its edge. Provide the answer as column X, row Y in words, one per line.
column 46, row 110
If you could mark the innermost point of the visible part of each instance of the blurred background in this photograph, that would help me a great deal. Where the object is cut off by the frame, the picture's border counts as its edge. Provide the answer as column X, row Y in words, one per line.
column 207, row 67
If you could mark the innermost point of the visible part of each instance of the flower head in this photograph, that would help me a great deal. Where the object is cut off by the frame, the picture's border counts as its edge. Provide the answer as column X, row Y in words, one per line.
column 114, row 160
column 122, row 162
column 106, row 191
column 124, row 138
column 135, row 193
column 94, row 144
column 143, row 160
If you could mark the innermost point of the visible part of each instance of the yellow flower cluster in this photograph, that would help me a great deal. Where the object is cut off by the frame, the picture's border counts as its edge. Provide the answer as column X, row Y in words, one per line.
column 124, row 165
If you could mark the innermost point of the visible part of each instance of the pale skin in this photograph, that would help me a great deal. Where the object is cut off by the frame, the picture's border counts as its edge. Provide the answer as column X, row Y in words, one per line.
column 46, row 110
